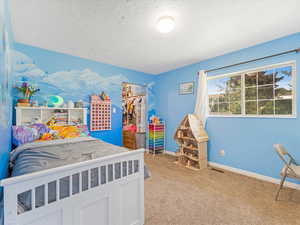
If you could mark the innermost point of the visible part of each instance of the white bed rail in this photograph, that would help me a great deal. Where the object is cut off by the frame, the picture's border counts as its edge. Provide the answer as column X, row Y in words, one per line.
column 108, row 190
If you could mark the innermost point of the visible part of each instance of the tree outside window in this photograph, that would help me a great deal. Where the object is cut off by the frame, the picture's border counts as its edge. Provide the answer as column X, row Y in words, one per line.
column 264, row 92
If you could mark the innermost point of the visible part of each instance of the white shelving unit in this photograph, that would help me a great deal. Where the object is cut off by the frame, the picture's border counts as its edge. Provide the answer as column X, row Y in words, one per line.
column 29, row 115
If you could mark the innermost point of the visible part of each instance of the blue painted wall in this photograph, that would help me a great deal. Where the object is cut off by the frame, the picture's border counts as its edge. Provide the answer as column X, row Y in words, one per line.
column 75, row 79
column 5, row 88
column 246, row 141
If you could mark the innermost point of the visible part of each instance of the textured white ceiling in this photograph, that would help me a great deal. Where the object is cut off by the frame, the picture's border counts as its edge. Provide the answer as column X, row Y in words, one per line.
column 123, row 32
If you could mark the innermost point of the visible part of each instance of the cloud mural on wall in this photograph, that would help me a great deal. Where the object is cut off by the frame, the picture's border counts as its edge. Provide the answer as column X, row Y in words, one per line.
column 151, row 99
column 83, row 81
column 71, row 85
column 24, row 66
column 78, row 84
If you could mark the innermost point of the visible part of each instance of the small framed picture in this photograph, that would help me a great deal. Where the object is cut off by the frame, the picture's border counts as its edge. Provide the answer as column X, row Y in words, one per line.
column 186, row 88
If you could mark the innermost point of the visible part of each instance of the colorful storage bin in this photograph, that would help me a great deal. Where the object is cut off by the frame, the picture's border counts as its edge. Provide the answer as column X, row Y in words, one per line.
column 156, row 138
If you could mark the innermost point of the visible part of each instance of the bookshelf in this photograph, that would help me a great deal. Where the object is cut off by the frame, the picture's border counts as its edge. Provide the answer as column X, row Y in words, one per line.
column 62, row 116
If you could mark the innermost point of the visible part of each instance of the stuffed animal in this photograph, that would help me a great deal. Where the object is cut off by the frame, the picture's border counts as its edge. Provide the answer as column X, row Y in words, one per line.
column 104, row 97
column 51, row 122
column 155, row 120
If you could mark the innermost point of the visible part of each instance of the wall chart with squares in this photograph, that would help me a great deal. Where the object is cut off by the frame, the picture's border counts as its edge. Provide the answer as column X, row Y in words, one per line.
column 100, row 116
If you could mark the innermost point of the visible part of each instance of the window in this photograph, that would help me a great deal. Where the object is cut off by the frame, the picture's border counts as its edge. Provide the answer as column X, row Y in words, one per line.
column 268, row 91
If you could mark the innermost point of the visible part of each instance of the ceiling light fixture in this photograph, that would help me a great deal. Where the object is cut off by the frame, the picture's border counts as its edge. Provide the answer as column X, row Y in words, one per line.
column 165, row 24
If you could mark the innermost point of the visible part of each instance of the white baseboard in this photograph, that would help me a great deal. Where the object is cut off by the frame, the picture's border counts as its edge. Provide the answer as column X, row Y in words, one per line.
column 247, row 173
column 165, row 152
column 254, row 175
column 170, row 153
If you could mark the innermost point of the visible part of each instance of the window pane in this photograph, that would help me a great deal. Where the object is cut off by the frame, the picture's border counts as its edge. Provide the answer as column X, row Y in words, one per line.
column 235, row 95
column 283, row 107
column 265, row 77
column 251, row 107
column 250, row 79
column 214, row 108
column 212, row 86
column 224, row 107
column 266, row 107
column 235, row 82
column 265, row 92
column 223, row 97
column 283, row 75
column 218, row 85
column 235, row 107
column 223, row 84
column 283, row 83
column 251, row 93
column 282, row 93
column 213, row 99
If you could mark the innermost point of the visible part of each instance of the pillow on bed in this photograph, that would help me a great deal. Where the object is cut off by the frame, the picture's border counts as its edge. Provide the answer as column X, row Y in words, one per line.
column 24, row 134
column 30, row 133
column 41, row 128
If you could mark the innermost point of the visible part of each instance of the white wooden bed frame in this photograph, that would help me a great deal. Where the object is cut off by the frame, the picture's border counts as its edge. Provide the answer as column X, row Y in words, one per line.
column 118, row 201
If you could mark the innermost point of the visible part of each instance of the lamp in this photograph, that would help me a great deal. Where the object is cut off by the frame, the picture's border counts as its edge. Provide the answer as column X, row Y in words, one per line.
column 165, row 24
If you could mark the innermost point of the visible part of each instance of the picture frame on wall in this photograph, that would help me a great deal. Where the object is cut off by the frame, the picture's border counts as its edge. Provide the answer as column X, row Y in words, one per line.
column 186, row 88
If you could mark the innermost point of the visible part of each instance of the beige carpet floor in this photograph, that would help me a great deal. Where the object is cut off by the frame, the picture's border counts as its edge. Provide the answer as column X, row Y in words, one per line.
column 178, row 196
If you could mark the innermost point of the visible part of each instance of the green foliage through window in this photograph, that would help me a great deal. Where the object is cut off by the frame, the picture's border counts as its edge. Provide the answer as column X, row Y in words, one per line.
column 264, row 92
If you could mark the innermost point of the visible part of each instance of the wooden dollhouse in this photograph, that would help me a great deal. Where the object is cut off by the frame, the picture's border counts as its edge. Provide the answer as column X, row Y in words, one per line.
column 192, row 139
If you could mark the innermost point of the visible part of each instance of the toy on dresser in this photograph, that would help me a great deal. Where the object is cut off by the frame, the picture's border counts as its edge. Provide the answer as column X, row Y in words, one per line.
column 155, row 120
column 100, row 112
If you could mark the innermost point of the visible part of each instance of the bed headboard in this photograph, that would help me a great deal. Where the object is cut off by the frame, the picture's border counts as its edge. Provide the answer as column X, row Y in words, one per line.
column 62, row 116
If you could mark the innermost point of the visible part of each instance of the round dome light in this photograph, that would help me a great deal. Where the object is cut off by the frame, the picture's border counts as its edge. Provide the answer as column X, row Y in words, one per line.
column 165, row 24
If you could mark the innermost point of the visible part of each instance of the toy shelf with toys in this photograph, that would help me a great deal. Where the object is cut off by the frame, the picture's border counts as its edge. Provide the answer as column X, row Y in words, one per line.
column 51, row 115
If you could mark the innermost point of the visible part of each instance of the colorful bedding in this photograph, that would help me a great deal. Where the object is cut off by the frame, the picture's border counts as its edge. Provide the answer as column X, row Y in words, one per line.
column 41, row 132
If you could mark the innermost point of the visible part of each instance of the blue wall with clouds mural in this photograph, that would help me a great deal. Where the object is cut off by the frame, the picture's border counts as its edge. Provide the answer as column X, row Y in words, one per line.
column 5, row 88
column 75, row 79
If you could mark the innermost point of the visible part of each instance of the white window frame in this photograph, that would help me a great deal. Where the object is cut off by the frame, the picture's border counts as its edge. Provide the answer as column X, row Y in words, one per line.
column 258, row 69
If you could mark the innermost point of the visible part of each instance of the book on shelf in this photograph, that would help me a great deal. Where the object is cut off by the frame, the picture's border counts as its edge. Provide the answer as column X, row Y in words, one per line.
column 23, row 104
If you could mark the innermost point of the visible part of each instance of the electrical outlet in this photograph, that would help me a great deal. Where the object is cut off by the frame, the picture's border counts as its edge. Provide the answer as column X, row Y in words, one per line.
column 222, row 152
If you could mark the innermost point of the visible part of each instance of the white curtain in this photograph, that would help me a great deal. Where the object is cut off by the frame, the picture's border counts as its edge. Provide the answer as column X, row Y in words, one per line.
column 201, row 107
